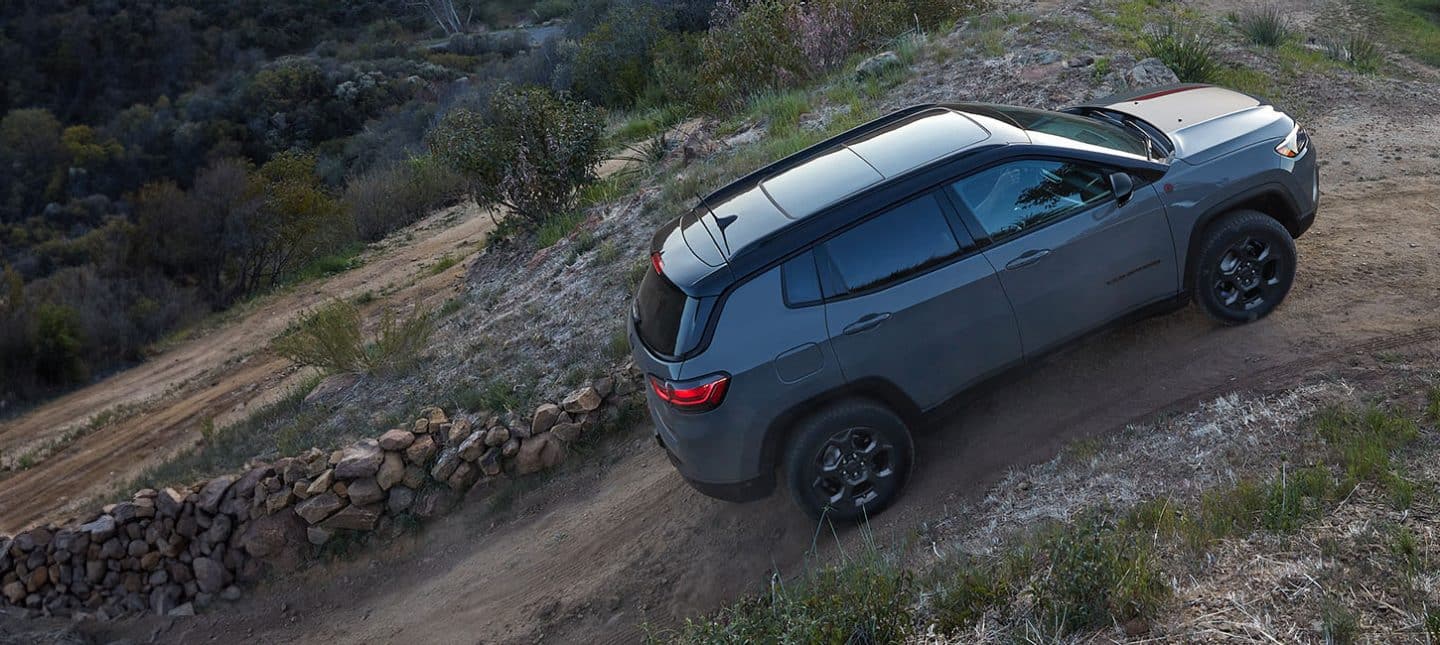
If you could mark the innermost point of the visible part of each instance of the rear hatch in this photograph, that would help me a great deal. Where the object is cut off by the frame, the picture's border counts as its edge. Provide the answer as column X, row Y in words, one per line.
column 672, row 302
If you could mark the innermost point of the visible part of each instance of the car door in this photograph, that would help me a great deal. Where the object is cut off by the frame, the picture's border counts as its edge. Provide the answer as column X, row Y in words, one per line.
column 1070, row 255
column 909, row 300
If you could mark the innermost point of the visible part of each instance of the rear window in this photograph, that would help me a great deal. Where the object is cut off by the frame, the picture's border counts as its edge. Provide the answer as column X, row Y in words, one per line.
column 659, row 309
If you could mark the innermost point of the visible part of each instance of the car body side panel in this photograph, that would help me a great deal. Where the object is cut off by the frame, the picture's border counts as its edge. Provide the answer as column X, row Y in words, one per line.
column 1099, row 265
column 723, row 446
column 945, row 330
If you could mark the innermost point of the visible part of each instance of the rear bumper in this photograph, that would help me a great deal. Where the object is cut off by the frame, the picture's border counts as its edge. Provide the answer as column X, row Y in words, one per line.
column 743, row 491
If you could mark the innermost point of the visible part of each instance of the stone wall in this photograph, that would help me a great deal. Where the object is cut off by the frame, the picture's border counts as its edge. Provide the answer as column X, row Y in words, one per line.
column 174, row 550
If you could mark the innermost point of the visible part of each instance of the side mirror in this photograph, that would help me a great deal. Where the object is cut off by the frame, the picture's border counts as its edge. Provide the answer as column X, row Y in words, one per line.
column 1122, row 185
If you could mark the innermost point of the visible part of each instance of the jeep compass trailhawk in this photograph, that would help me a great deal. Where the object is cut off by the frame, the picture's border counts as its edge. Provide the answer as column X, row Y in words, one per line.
column 799, row 321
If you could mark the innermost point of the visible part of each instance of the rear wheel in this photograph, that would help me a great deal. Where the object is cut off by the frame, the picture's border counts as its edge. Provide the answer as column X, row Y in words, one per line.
column 849, row 461
column 1245, row 268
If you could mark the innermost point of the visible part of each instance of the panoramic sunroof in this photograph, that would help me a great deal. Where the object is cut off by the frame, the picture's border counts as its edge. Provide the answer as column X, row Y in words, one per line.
column 817, row 183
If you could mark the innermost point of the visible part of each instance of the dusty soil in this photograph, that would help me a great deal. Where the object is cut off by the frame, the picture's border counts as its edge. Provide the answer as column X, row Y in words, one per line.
column 218, row 374
column 617, row 541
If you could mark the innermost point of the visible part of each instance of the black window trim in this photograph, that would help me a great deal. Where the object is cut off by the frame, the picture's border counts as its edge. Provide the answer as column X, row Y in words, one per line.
column 833, row 288
column 983, row 239
column 785, row 280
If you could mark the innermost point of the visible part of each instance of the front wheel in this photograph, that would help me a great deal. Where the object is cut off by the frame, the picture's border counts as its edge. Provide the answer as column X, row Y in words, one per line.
column 849, row 461
column 1245, row 268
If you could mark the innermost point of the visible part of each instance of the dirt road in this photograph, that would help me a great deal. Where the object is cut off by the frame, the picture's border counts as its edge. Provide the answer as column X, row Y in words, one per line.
column 620, row 541
column 217, row 374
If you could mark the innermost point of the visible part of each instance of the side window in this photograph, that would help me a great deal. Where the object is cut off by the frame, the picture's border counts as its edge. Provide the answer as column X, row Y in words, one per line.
column 801, row 284
column 892, row 246
column 1016, row 197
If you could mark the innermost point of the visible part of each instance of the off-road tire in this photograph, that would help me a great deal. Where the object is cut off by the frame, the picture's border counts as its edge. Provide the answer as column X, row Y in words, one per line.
column 844, row 431
column 1245, row 267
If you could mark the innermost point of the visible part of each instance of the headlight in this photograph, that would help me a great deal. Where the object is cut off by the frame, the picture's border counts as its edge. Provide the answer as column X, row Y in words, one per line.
column 1294, row 144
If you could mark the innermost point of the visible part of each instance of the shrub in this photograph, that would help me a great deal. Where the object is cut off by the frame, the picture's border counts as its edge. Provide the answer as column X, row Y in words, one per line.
column 1191, row 54
column 58, row 344
column 1267, row 25
column 1358, row 50
column 1097, row 575
column 747, row 51
column 328, row 338
column 395, row 196
column 531, row 155
column 863, row 601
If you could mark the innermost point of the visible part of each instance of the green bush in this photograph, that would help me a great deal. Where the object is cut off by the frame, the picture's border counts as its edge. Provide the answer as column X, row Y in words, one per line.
column 1189, row 53
column 59, row 343
column 531, row 155
column 863, row 601
column 1267, row 25
column 753, row 52
column 1097, row 575
column 330, row 338
column 1359, row 50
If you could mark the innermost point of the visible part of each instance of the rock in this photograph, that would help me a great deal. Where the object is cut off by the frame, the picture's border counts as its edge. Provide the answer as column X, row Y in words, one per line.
column 1080, row 61
column 510, row 448
column 401, row 497
column 567, row 432
column 361, row 459
column 1048, row 57
column 331, row 388
column 472, row 447
column 365, row 491
column 392, row 470
column 544, row 418
column 1150, row 72
column 414, row 476
column 446, row 464
column 292, row 470
column 14, row 592
column 169, row 502
column 210, row 575
column 231, row 593
column 354, row 518
column 396, row 439
column 277, row 502
column 213, row 492
column 267, row 537
column 434, row 415
column 319, row 507
column 432, row 502
column 463, row 476
column 458, row 432
column 420, row 452
column 99, row 530
column 422, row 426
column 604, row 386
column 490, row 462
column 497, row 436
column 538, row 453
column 318, row 536
column 125, row 512
column 584, row 399
column 182, row 611
column 321, row 484
column 878, row 64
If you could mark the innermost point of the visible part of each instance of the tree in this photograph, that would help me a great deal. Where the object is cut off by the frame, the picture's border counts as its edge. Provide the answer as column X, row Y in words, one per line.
column 444, row 14
column 530, row 156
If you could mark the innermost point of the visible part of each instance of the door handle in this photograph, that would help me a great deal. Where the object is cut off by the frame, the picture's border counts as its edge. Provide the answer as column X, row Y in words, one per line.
column 1027, row 258
column 867, row 322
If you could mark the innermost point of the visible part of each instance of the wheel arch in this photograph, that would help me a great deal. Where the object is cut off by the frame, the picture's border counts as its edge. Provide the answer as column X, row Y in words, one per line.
column 1269, row 199
column 878, row 390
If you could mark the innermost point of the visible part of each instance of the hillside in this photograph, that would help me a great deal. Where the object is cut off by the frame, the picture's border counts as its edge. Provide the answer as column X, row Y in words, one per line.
column 1158, row 462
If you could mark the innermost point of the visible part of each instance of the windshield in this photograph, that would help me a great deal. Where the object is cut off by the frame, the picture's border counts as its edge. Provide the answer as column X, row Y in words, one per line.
column 1078, row 128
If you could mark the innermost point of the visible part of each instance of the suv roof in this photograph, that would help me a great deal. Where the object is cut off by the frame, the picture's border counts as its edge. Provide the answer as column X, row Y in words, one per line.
column 769, row 199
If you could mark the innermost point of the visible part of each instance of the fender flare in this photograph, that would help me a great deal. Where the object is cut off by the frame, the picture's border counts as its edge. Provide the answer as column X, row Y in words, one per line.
column 1270, row 198
column 875, row 389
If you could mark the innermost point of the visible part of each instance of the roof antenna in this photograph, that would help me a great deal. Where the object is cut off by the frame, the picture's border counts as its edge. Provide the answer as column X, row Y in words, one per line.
column 722, row 223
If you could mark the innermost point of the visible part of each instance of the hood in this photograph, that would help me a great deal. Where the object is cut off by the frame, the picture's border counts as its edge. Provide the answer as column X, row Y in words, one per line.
column 1203, row 121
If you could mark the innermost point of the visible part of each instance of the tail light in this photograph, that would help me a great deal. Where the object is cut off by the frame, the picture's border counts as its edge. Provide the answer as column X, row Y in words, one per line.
column 1294, row 144
column 656, row 263
column 692, row 396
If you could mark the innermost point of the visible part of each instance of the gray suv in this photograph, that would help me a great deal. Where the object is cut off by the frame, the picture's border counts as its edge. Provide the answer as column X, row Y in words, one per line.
column 801, row 320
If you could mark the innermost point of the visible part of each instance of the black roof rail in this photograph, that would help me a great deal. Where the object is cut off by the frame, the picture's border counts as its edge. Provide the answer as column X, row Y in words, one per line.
column 815, row 149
